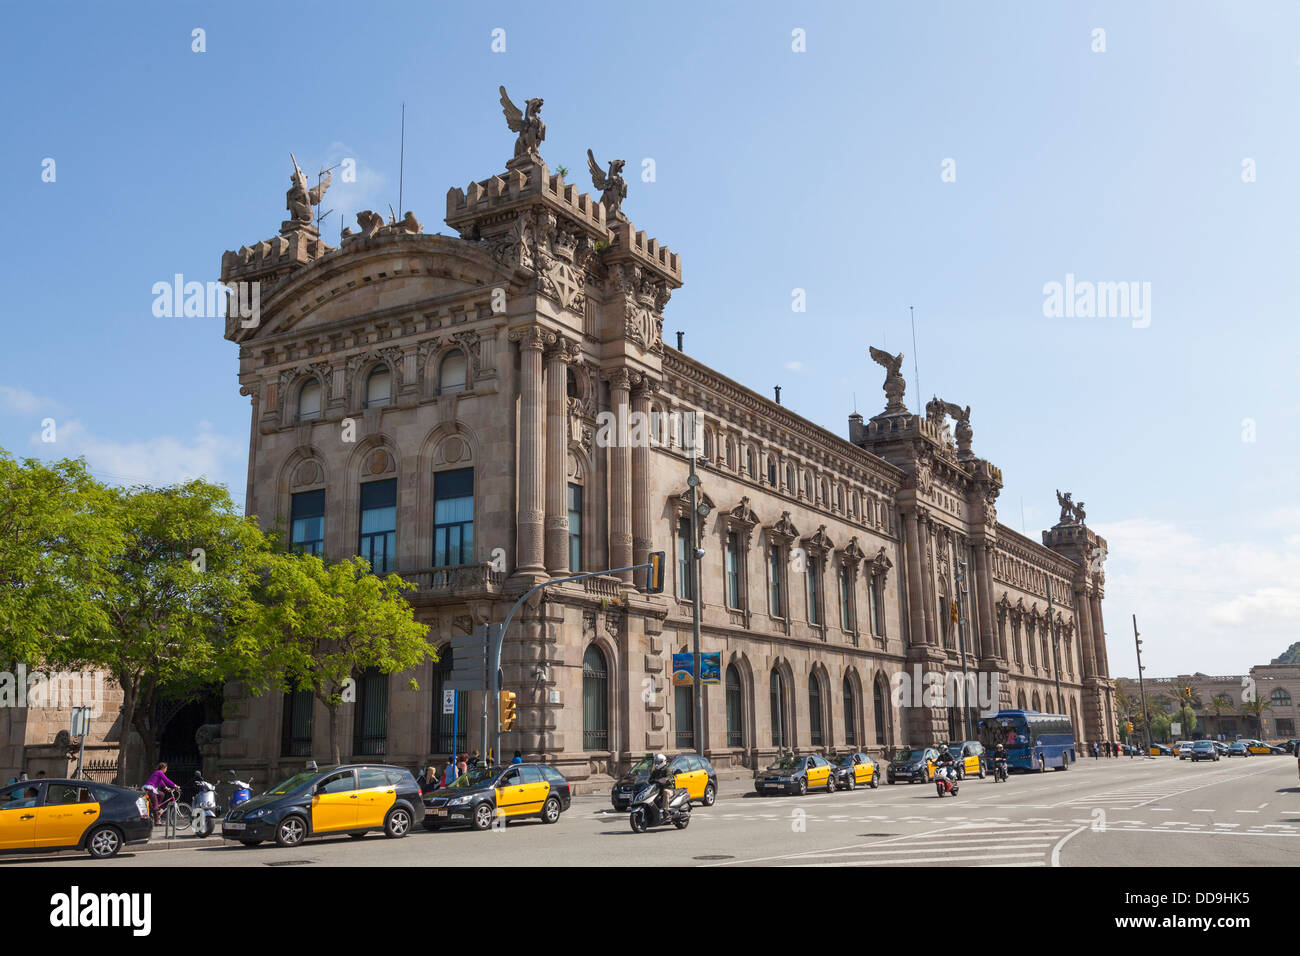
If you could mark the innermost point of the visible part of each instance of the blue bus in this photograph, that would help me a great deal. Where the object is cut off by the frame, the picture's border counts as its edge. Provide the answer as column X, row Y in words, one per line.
column 1034, row 741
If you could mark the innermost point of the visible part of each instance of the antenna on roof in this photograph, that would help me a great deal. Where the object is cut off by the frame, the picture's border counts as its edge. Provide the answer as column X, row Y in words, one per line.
column 916, row 371
column 401, row 161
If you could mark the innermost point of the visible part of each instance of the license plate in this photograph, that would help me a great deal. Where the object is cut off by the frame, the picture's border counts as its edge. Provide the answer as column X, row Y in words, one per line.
column 773, row 785
column 234, row 826
column 439, row 813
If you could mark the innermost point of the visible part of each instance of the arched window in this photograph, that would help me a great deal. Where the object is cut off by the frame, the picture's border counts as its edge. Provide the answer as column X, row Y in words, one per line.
column 749, row 463
column 771, row 472
column 1037, row 704
column 815, row 709
column 595, row 700
column 441, row 740
column 850, row 714
column 879, row 692
column 309, row 400
column 1020, row 701
column 1281, row 698
column 370, row 718
column 378, row 387
column 779, row 711
column 451, row 374
column 735, row 709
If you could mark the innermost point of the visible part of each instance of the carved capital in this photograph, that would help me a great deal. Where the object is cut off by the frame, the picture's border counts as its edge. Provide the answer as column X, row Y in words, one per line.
column 532, row 337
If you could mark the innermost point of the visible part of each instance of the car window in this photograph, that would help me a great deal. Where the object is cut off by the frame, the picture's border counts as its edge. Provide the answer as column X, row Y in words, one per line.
column 19, row 797
column 371, row 777
column 678, row 765
column 60, row 793
column 531, row 774
column 399, row 778
column 101, row 794
column 340, row 783
column 816, row 761
column 553, row 775
column 511, row 779
column 697, row 763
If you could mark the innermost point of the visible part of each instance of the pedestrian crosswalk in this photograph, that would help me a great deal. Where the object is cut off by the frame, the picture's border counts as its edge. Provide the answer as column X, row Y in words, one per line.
column 967, row 844
column 1150, row 792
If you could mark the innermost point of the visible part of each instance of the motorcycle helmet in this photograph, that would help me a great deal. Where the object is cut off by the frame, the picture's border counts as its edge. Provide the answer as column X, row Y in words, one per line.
column 660, row 760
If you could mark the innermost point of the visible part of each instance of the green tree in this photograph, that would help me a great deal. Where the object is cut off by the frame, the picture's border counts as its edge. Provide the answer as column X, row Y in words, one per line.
column 54, row 543
column 316, row 626
column 1160, row 728
column 183, row 562
column 1255, row 707
column 1219, row 705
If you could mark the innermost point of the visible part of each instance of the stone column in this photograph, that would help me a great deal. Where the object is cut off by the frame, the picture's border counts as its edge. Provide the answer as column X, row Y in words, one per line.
column 1083, row 614
column 1098, row 634
column 641, row 472
column 983, row 586
column 928, row 596
column 916, row 609
column 620, row 478
column 557, row 458
column 529, row 551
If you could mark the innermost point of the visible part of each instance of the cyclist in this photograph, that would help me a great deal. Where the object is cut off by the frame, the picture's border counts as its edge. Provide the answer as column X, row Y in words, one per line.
column 154, row 787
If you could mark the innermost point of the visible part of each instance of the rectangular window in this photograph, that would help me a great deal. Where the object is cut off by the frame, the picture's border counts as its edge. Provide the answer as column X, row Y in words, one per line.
column 733, row 570
column 774, row 603
column 378, row 537
column 295, row 725
column 685, row 581
column 877, row 607
column 846, row 600
column 814, row 592
column 307, row 522
column 575, row 529
column 453, row 517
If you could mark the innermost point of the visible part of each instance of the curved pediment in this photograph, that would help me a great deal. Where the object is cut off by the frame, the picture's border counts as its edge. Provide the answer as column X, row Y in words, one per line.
column 384, row 273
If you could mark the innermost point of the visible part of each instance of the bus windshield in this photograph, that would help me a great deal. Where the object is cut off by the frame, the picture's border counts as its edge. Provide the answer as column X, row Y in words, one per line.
column 1008, row 731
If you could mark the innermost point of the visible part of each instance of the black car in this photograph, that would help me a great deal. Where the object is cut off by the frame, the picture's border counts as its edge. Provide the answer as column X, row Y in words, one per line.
column 855, row 770
column 351, row 799
column 484, row 794
column 1203, row 750
column 793, row 774
column 694, row 774
column 913, row 764
column 1237, row 749
column 72, row 815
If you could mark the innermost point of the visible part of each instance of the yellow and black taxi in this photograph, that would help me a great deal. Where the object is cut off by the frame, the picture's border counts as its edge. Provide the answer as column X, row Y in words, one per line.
column 482, row 794
column 792, row 774
column 853, row 770
column 1258, row 747
column 351, row 799
column 968, row 758
column 913, row 764
column 694, row 774
column 72, row 815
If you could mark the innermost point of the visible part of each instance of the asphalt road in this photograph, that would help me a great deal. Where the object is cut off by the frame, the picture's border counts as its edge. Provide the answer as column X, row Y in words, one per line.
column 1118, row 812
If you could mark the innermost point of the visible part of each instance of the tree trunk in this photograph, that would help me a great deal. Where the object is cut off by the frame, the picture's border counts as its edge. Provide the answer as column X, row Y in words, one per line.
column 334, row 733
column 126, row 720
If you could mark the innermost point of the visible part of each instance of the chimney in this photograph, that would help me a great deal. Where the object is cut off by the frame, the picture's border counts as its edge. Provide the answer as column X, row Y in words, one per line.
column 679, row 341
column 778, row 394
column 855, row 429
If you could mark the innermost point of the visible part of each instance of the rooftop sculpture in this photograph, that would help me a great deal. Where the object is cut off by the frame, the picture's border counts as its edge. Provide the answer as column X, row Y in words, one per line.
column 894, row 385
column 613, row 185
column 299, row 199
column 528, row 124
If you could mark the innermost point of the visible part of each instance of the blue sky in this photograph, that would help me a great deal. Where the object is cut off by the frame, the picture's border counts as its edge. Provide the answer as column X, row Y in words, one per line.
column 775, row 170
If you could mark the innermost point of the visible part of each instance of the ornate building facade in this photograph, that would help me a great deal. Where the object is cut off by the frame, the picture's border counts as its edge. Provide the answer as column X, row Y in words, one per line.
column 442, row 405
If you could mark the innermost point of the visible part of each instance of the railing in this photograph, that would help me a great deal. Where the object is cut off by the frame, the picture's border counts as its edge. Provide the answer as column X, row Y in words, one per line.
column 605, row 585
column 455, row 580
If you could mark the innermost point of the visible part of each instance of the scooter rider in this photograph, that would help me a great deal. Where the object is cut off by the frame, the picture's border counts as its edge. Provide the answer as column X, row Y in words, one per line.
column 667, row 782
column 945, row 761
column 1000, row 757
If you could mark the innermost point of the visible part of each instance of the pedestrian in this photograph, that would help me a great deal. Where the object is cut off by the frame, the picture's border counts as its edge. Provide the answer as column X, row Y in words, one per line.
column 449, row 773
column 518, row 757
column 428, row 779
column 40, row 774
column 474, row 759
column 1095, row 752
column 463, row 765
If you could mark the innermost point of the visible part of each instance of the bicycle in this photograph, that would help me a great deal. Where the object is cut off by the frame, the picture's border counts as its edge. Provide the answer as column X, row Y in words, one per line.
column 177, row 815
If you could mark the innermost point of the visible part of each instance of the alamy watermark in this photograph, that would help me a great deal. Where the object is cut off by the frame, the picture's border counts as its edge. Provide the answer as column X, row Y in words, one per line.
column 208, row 300
column 55, row 689
column 928, row 688
column 1084, row 299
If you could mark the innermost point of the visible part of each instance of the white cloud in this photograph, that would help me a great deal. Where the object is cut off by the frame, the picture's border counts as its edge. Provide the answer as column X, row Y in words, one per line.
column 19, row 401
column 155, row 461
column 794, row 366
column 1218, row 607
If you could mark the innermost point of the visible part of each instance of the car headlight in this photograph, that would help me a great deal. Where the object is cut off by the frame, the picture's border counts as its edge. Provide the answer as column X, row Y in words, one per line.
column 457, row 801
column 255, row 814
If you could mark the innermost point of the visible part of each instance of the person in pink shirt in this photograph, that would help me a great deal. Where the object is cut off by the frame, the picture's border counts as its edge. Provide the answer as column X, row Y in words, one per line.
column 155, row 785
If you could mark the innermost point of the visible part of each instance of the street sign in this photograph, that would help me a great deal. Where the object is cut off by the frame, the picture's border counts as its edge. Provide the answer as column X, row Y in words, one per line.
column 1176, row 729
column 80, row 721
column 468, row 661
column 449, row 701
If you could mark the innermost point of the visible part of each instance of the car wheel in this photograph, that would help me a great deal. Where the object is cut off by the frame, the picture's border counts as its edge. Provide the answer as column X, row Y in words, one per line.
column 551, row 810
column 803, row 786
column 961, row 773
column 875, row 780
column 398, row 823
column 291, row 831
column 251, row 842
column 710, row 795
column 851, row 782
column 482, row 818
column 832, row 783
column 981, row 771
column 104, row 842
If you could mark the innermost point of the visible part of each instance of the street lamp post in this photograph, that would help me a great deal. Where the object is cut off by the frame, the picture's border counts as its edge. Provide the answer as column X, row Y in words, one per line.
column 1146, row 715
column 961, row 638
column 698, row 510
column 1056, row 664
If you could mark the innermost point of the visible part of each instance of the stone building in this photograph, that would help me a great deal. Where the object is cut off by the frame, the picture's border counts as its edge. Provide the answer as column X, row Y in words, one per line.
column 442, row 405
column 1233, row 715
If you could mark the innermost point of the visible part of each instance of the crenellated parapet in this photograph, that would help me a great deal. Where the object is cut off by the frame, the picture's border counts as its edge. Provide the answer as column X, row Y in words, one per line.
column 476, row 209
column 274, row 258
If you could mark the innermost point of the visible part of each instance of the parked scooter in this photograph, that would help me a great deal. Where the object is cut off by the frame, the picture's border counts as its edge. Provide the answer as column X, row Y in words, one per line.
column 645, row 811
column 945, row 781
column 243, row 791
column 204, row 806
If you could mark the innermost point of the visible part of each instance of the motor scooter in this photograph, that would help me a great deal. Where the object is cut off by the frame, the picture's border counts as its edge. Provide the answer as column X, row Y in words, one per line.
column 204, row 806
column 1000, row 771
column 243, row 791
column 645, row 811
column 945, row 781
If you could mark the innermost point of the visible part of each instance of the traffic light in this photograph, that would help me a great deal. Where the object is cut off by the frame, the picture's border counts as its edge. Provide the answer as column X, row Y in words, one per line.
column 1130, row 726
column 655, row 573
column 507, row 710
